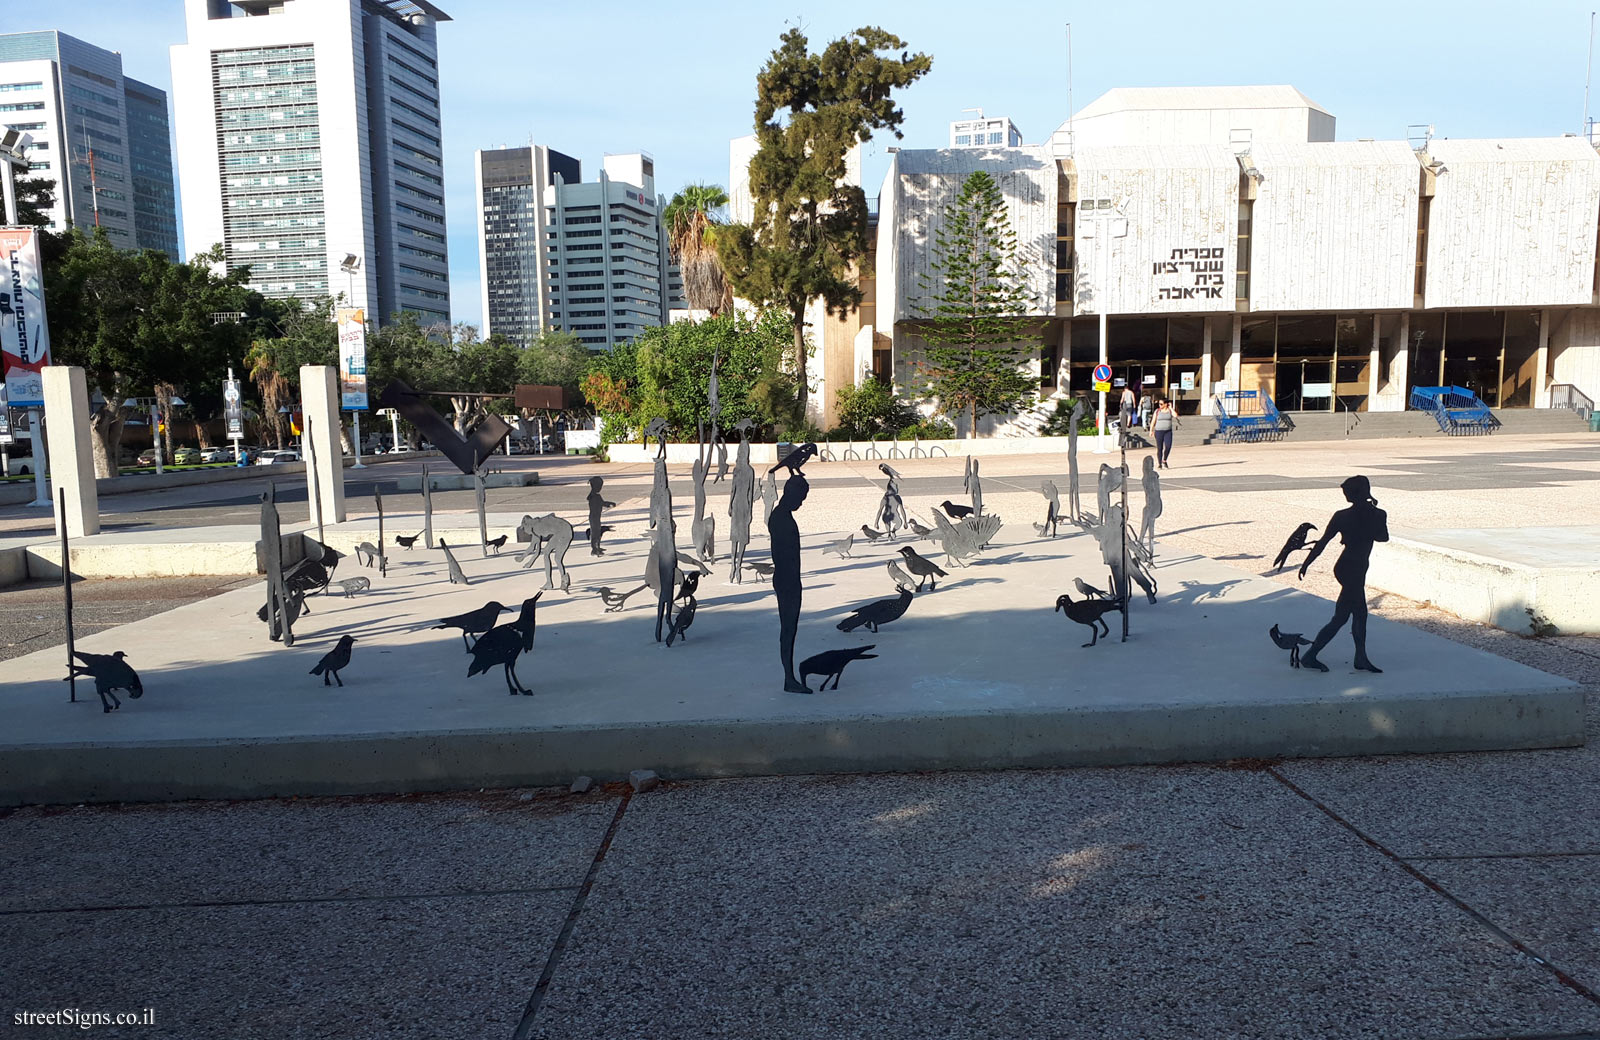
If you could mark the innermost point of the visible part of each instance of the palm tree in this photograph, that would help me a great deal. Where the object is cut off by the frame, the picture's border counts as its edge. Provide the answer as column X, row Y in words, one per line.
column 692, row 220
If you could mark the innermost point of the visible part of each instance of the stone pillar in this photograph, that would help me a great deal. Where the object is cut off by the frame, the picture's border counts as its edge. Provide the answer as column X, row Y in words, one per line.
column 1205, row 363
column 1374, row 365
column 1541, row 370
column 319, row 402
column 66, row 409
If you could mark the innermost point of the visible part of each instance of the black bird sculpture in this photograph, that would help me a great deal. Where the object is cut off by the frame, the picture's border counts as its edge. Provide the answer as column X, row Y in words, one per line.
column 496, row 544
column 830, row 664
column 335, row 660
column 1088, row 591
column 954, row 511
column 681, row 621
column 691, row 584
column 763, row 569
column 109, row 672
column 615, row 601
column 1088, row 612
column 878, row 612
column 407, row 541
column 871, row 534
column 922, row 567
column 1296, row 542
column 503, row 644
column 1290, row 641
column 795, row 459
column 474, row 621
column 457, row 575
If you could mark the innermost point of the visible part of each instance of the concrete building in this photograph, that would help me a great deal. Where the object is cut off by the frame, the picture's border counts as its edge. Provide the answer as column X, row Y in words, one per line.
column 985, row 133
column 588, row 258
column 1237, row 247
column 101, row 137
column 308, row 131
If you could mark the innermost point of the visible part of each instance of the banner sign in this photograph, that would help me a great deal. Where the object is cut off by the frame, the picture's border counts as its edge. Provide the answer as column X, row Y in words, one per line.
column 353, row 359
column 24, row 335
column 233, row 409
column 5, row 416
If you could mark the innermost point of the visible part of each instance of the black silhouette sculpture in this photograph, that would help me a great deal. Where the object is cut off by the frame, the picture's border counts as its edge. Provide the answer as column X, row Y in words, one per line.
column 871, row 534
column 1123, row 556
column 280, row 624
column 474, row 622
column 763, row 570
column 722, row 461
column 682, row 620
column 351, row 586
column 688, row 587
column 597, row 505
column 954, row 511
column 901, row 579
column 974, row 486
column 1072, row 458
column 830, row 664
column 1151, row 482
column 702, row 528
column 924, row 569
column 1290, row 641
column 551, row 537
column 110, row 672
column 663, row 563
column 407, row 541
column 503, row 644
column 496, row 544
column 469, row 452
column 795, row 459
column 457, row 575
column 891, row 513
column 1089, row 612
column 842, row 546
column 784, row 534
column 1110, row 483
column 741, row 503
column 1089, row 591
column 335, row 660
column 769, row 495
column 366, row 554
column 615, row 601
column 878, row 612
column 1361, row 525
column 1052, row 513
column 1295, row 543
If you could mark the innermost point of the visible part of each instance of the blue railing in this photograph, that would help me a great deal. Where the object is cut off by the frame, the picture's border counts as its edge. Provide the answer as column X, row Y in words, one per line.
column 1456, row 409
column 1248, row 415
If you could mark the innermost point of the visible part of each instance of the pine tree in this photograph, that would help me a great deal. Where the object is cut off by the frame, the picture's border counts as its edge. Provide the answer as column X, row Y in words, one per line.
column 979, row 334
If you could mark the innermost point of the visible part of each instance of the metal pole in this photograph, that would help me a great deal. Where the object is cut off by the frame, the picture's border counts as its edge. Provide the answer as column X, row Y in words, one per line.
column 311, row 478
column 394, row 428
column 8, row 189
column 1127, row 570
column 356, row 439
column 155, row 432
column 383, row 559
column 66, row 595
column 1588, row 72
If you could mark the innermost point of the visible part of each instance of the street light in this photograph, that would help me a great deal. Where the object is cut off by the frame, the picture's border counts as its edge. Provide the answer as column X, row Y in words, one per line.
column 350, row 265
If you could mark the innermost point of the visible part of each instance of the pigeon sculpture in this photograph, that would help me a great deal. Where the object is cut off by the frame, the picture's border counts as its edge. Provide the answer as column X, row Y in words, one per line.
column 831, row 664
column 335, row 660
column 876, row 613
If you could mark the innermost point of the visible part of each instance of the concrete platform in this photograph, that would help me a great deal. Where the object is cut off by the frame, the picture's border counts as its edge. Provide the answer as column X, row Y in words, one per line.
column 980, row 674
column 464, row 482
column 1497, row 575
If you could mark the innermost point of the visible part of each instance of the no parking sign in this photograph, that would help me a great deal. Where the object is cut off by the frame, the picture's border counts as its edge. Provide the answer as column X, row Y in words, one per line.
column 1102, row 378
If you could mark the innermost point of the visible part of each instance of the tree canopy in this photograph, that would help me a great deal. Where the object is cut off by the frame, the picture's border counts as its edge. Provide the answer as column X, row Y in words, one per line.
column 693, row 218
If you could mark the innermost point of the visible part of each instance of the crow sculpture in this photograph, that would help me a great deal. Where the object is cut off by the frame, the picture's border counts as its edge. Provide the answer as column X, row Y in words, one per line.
column 110, row 672
column 335, row 660
column 682, row 620
column 922, row 567
column 1290, row 641
column 615, row 601
column 1088, row 591
column 830, row 664
column 407, row 541
column 474, row 622
column 503, row 644
column 496, row 544
column 1296, row 542
column 1089, row 612
column 878, row 612
column 795, row 459
column 954, row 511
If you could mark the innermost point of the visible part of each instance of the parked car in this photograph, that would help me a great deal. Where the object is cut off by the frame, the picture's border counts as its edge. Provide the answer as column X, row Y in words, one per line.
column 186, row 457
column 284, row 456
column 399, row 449
column 147, row 457
column 210, row 455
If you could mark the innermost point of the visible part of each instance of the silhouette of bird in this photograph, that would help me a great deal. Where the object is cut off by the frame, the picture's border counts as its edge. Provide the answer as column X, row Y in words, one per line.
column 1290, row 641
column 1088, row 591
column 351, row 586
column 954, row 511
column 457, row 575
column 878, row 612
column 496, row 544
column 795, row 459
column 918, row 529
column 407, row 541
column 366, row 553
column 691, row 584
column 900, row 578
column 966, row 538
column 503, row 644
column 109, row 672
column 763, row 569
column 1296, row 542
column 685, row 560
column 1088, row 612
column 474, row 621
column 830, row 664
column 329, row 558
column 923, row 568
column 681, row 621
column 335, row 660
column 614, row 601
column 872, row 535
column 842, row 546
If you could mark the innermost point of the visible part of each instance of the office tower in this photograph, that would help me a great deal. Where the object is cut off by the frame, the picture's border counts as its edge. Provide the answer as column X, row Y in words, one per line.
column 513, row 265
column 993, row 132
column 309, row 146
column 99, row 136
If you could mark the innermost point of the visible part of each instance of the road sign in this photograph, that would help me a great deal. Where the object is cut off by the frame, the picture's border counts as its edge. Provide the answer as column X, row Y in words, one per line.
column 1101, row 387
column 1102, row 373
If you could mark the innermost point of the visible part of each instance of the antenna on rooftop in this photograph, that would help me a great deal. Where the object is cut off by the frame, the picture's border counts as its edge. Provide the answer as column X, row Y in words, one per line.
column 1587, row 75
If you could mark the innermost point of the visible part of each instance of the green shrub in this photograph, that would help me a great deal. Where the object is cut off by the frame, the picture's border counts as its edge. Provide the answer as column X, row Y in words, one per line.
column 871, row 409
column 1060, row 422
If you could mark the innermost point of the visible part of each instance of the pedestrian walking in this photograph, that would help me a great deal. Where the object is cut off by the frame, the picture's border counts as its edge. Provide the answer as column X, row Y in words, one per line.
column 1125, row 414
column 1146, row 406
column 1161, row 424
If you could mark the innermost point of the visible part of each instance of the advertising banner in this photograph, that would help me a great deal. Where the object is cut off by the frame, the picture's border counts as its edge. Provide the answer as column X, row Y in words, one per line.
column 353, row 359
column 233, row 409
column 24, row 336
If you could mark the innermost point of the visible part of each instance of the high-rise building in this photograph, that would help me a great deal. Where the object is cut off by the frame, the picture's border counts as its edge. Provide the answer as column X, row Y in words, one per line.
column 99, row 136
column 991, row 132
column 309, row 136
column 591, row 258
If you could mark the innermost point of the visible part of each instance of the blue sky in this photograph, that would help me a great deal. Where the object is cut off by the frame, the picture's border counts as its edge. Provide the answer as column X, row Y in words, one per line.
column 677, row 80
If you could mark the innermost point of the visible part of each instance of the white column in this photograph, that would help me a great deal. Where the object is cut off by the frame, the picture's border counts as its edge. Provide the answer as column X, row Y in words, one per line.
column 66, row 404
column 1374, row 365
column 319, row 400
column 1205, row 365
column 1541, row 363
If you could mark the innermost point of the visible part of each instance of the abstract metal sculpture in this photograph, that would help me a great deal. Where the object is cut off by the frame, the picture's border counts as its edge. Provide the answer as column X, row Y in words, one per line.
column 110, row 672
column 891, row 508
column 457, row 575
column 1052, row 513
column 663, row 547
column 741, row 502
column 1151, row 481
column 351, row 586
column 335, row 660
column 1361, row 525
column 784, row 534
column 1111, row 480
column 702, row 529
column 682, row 620
column 795, row 459
column 279, row 623
column 1290, row 641
column 974, row 486
column 830, row 664
column 383, row 559
column 615, row 601
column 878, row 612
column 469, row 452
column 473, row 622
column 597, row 505
column 550, row 536
column 1072, row 458
column 924, row 569
column 427, row 508
column 1295, row 543
column 503, row 644
column 967, row 538
column 769, row 496
column 1124, row 558
column 1089, row 612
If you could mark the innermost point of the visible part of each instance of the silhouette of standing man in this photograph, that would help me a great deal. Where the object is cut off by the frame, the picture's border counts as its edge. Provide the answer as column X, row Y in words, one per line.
column 785, row 535
column 1361, row 525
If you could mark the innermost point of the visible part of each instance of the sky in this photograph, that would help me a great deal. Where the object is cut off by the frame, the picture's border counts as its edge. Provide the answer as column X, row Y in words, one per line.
column 678, row 80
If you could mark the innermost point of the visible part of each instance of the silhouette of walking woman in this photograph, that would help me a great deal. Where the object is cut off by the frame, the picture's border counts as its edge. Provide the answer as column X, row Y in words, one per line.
column 785, row 535
column 1361, row 525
